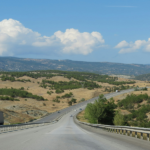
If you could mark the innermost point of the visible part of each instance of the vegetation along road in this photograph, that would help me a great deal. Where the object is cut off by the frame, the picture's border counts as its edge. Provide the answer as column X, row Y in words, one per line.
column 67, row 135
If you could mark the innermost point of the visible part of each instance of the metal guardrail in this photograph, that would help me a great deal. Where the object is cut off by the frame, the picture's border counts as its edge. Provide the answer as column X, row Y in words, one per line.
column 141, row 133
column 16, row 127
column 137, row 132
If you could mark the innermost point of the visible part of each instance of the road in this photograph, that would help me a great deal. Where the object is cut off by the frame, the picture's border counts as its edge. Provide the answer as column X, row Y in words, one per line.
column 79, row 105
column 67, row 135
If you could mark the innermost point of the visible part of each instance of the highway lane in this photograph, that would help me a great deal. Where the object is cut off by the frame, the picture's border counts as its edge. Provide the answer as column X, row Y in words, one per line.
column 66, row 135
column 54, row 115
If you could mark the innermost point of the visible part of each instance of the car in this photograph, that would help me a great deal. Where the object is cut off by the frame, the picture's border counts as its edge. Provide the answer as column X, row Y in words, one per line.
column 80, row 109
column 71, row 116
column 58, row 111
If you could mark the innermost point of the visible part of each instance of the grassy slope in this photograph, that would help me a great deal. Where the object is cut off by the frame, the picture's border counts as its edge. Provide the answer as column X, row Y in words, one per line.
column 49, row 105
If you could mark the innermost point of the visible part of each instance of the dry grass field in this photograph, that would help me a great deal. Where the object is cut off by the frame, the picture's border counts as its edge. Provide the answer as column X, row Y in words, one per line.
column 13, row 116
column 28, row 109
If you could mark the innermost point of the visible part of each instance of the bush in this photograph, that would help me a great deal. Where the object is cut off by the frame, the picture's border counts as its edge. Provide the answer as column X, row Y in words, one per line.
column 119, row 119
column 44, row 104
column 56, row 100
column 73, row 100
column 70, row 103
column 67, row 95
column 82, row 100
column 22, row 88
column 59, row 91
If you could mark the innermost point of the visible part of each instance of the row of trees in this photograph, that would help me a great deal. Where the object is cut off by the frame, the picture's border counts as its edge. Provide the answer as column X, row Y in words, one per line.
column 8, row 98
column 12, row 79
column 20, row 93
column 34, row 74
column 63, row 85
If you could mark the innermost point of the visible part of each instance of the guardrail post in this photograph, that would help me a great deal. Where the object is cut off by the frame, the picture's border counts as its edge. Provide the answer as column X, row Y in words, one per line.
column 130, row 133
column 121, row 131
column 142, row 136
column 135, row 134
column 126, row 132
column 147, row 136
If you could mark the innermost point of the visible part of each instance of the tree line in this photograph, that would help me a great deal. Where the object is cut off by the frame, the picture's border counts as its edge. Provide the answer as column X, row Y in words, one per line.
column 20, row 93
column 63, row 85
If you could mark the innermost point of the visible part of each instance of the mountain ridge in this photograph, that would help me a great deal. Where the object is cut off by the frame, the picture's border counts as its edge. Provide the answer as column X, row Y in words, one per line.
column 29, row 64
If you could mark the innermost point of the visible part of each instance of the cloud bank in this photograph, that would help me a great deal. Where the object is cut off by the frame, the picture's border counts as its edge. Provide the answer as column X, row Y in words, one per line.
column 126, row 47
column 15, row 38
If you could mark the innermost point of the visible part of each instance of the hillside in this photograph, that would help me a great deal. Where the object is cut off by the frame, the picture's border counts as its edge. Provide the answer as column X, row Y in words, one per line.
column 25, row 96
column 133, row 107
column 143, row 77
column 26, row 64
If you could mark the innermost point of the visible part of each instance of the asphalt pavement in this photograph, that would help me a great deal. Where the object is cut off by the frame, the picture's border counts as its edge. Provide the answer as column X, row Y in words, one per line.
column 68, row 135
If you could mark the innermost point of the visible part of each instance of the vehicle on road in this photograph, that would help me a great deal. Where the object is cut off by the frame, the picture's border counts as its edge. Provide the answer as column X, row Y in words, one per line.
column 117, row 91
column 71, row 116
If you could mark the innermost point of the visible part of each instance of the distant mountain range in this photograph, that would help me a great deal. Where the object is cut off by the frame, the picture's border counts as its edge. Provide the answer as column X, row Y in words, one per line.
column 27, row 64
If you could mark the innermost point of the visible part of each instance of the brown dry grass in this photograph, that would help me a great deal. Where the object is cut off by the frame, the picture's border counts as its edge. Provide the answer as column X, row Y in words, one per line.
column 81, row 117
column 51, row 106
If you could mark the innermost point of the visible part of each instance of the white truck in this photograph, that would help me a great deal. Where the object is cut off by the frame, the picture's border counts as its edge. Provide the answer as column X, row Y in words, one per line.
column 117, row 91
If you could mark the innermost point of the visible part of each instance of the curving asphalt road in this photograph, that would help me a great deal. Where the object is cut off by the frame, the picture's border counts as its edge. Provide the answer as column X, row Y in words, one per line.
column 66, row 135
column 79, row 105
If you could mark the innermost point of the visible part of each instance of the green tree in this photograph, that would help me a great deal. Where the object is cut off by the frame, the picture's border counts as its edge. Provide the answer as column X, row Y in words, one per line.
column 119, row 119
column 102, row 111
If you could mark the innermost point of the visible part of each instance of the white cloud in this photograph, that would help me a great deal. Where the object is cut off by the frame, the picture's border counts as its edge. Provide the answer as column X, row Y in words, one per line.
column 126, row 47
column 72, row 41
column 122, row 44
column 14, row 37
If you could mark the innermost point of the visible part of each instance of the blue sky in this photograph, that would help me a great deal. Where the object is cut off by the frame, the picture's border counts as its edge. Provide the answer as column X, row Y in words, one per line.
column 87, row 30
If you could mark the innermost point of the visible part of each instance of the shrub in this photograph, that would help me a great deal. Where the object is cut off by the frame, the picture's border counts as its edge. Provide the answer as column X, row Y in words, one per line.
column 70, row 103
column 73, row 100
column 82, row 100
column 119, row 119
column 59, row 91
